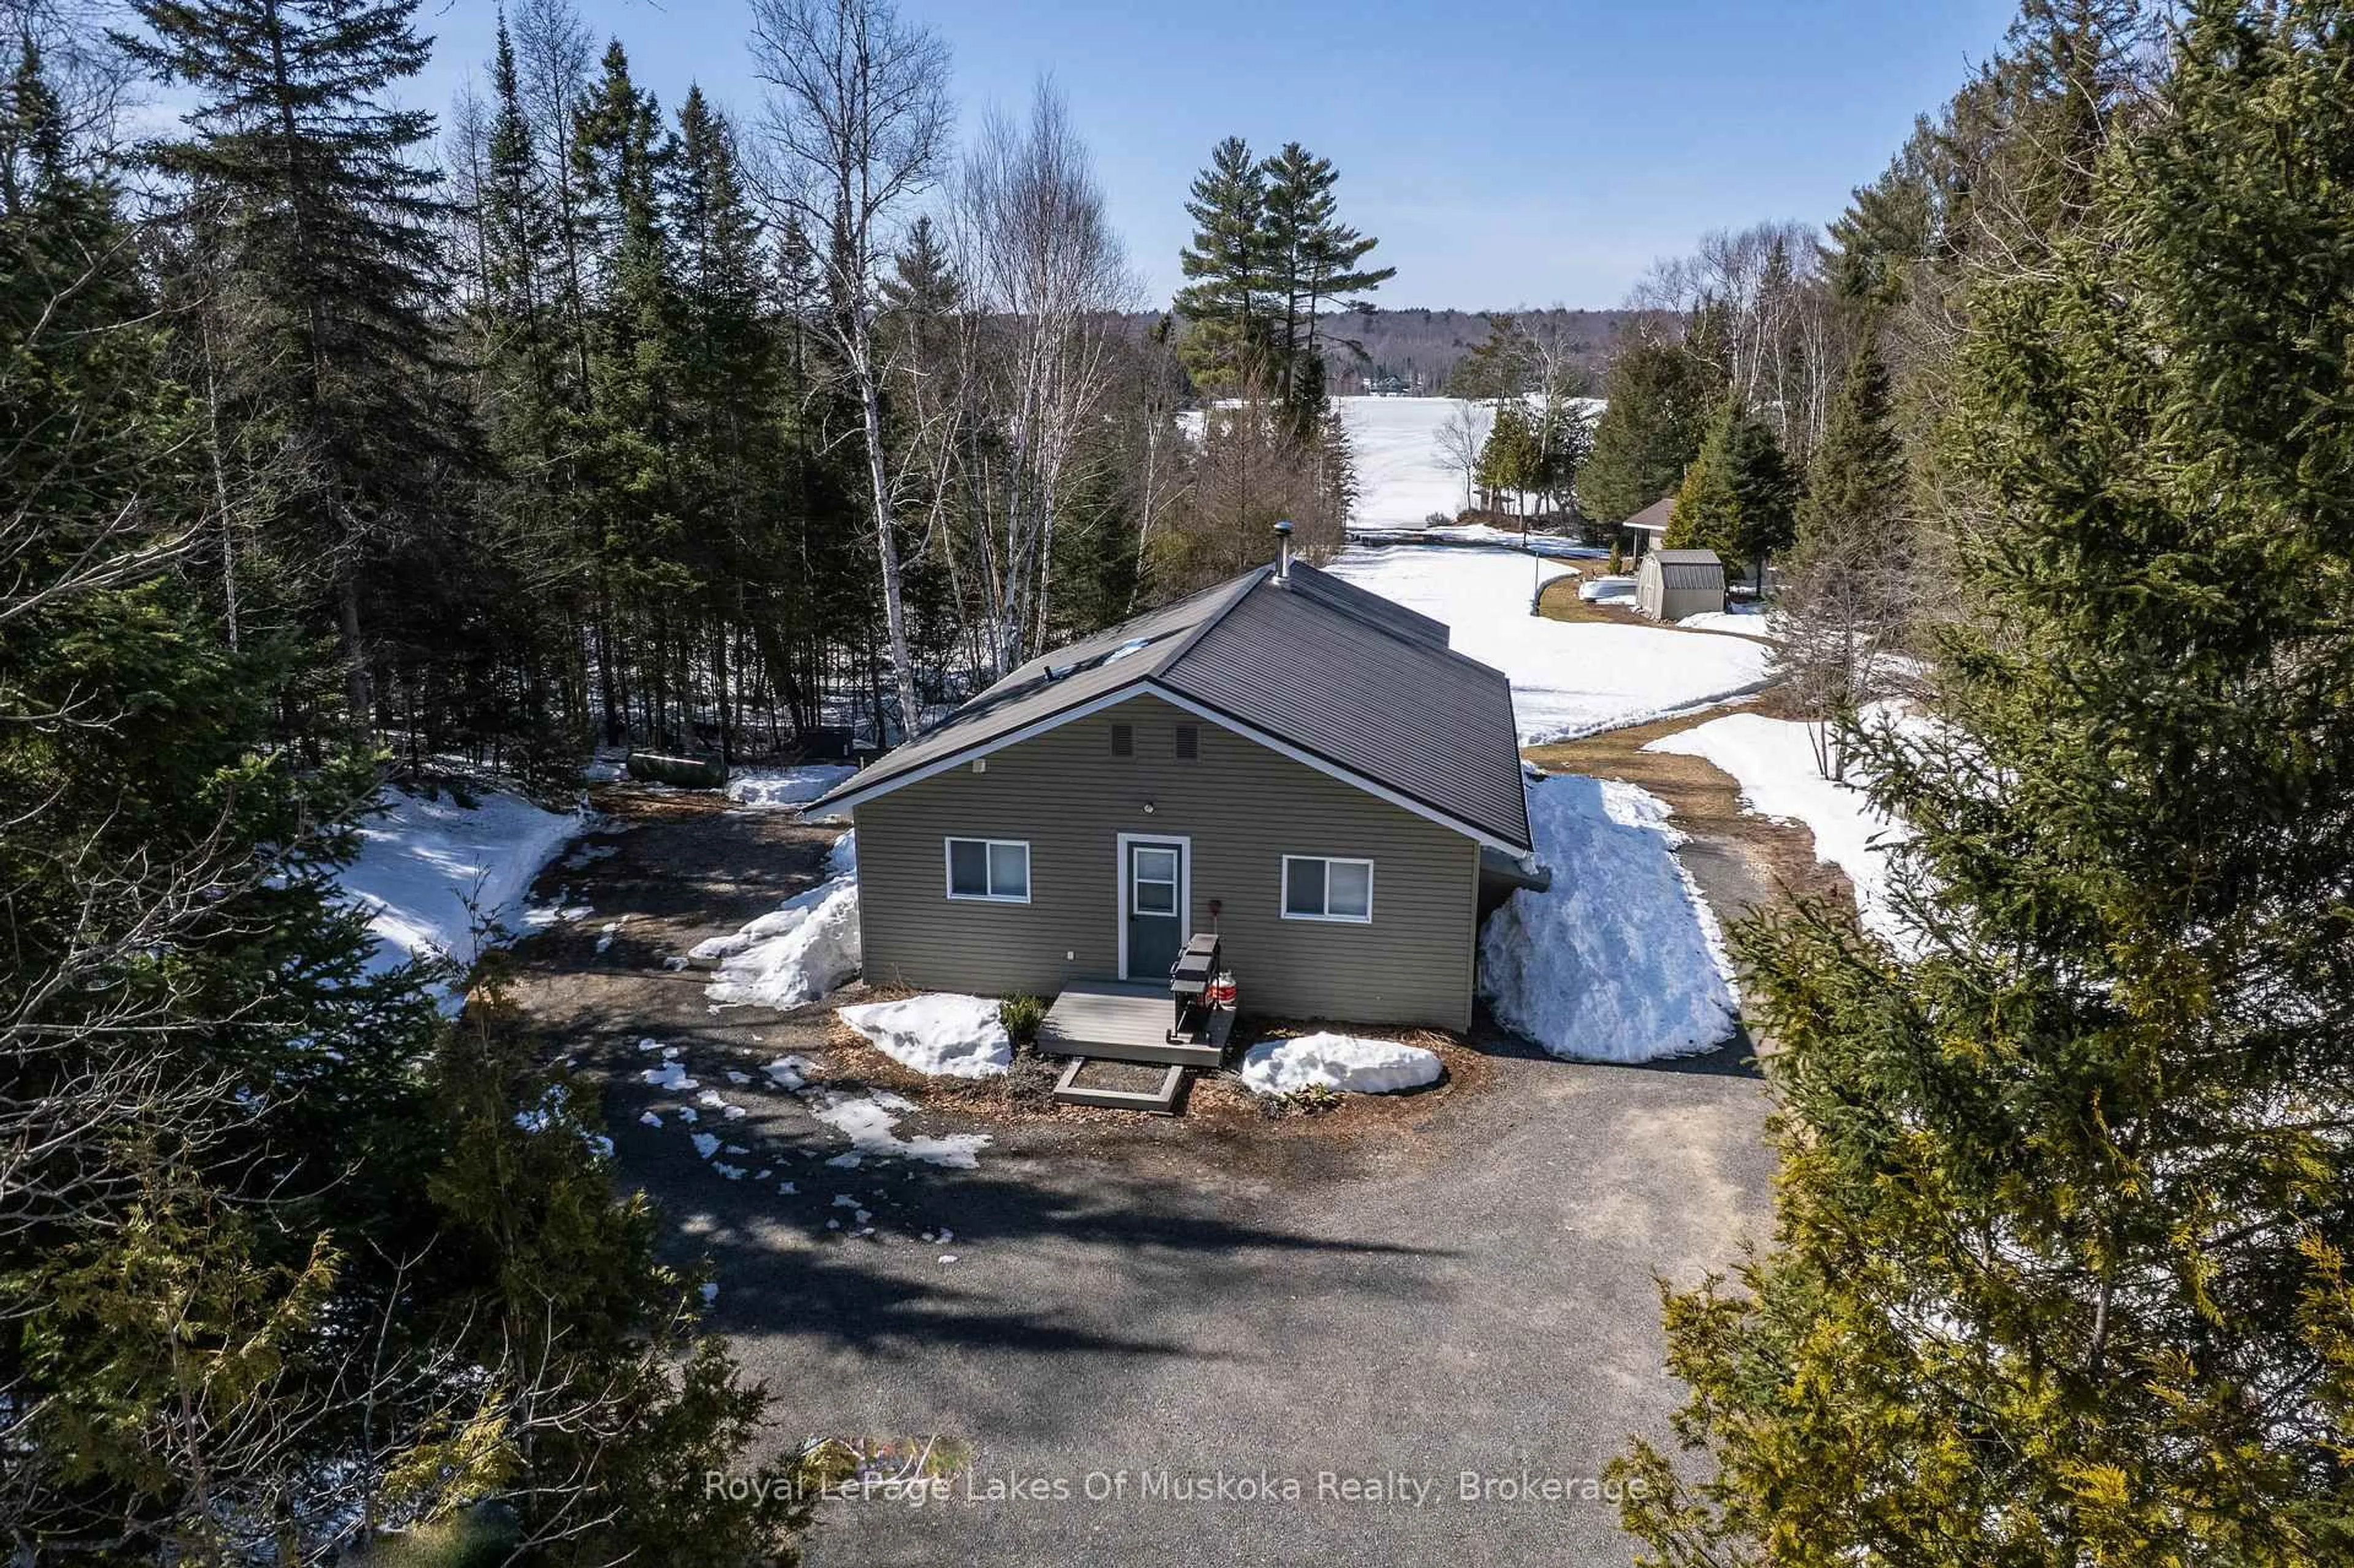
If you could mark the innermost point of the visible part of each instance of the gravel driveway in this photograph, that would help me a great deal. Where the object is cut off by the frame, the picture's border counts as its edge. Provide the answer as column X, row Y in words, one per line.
column 1197, row 1318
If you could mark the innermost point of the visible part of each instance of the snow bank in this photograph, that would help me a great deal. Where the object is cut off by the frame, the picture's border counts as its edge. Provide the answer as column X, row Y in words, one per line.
column 790, row 956
column 867, row 1120
column 1773, row 760
column 1620, row 961
column 843, row 858
column 1749, row 621
column 943, row 1034
column 1348, row 1063
column 430, row 872
column 777, row 788
column 1569, row 678
column 1605, row 589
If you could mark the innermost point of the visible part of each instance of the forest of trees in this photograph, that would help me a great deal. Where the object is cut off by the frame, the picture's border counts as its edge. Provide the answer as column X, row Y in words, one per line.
column 350, row 445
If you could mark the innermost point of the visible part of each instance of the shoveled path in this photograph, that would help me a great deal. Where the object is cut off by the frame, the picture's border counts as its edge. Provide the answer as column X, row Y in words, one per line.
column 1461, row 1283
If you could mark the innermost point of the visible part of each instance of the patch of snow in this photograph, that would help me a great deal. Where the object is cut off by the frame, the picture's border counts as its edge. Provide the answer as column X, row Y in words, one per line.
column 428, row 871
column 843, row 858
column 942, row 1033
column 1605, row 590
column 649, row 1042
column 1746, row 619
column 947, row 1257
column 706, row 1145
column 787, row 1188
column 688, row 1113
column 651, row 1118
column 1773, row 760
column 1349, row 1063
column 778, row 789
column 735, row 1078
column 673, row 963
column 670, row 1076
column 1619, row 959
column 733, row 1172
column 789, row 956
column 867, row 1120
column 710, row 1292
column 1569, row 678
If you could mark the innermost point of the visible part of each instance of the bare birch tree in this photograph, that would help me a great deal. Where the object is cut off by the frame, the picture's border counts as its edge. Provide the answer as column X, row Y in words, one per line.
column 1045, row 275
column 858, row 124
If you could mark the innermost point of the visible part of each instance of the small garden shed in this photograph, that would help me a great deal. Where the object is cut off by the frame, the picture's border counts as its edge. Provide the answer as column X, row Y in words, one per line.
column 1672, row 583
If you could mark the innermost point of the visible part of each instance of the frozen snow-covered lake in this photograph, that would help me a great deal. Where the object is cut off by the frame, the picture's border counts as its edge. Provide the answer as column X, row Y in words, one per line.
column 1401, row 476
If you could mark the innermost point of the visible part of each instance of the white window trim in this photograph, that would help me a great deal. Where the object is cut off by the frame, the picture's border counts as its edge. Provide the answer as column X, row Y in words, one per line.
column 1121, row 898
column 1283, row 890
column 947, row 869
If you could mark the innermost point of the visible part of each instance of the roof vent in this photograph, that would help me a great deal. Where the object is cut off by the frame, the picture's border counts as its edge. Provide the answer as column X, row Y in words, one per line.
column 1283, row 551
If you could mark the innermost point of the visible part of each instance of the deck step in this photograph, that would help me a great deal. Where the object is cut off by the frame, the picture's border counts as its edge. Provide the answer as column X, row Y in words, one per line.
column 1144, row 1086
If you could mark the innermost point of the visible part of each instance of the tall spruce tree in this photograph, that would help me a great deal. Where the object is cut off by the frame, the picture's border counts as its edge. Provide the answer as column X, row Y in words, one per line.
column 2064, row 1219
column 1660, row 393
column 1849, row 597
column 1738, row 498
column 329, row 261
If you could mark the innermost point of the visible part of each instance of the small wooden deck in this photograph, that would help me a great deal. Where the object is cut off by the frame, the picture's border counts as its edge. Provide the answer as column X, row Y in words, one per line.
column 1126, row 1021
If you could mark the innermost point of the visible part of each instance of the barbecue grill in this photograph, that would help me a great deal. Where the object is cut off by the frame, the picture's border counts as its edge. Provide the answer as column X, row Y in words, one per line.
column 1190, row 979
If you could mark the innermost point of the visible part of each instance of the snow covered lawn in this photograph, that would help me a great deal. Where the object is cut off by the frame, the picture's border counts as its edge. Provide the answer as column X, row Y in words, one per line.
column 439, row 880
column 942, row 1033
column 1620, row 961
column 791, row 955
column 1347, row 1062
column 1569, row 678
column 1773, row 760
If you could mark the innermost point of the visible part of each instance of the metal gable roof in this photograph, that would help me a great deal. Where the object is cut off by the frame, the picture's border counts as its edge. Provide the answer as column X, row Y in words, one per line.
column 1340, row 675
column 1410, row 713
column 1688, row 568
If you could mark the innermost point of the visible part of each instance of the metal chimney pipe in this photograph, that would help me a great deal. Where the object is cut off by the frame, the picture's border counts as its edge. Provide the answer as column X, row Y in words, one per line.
column 1283, row 551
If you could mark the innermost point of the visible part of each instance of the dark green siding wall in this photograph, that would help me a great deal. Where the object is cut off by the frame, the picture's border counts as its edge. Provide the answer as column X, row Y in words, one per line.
column 1243, row 806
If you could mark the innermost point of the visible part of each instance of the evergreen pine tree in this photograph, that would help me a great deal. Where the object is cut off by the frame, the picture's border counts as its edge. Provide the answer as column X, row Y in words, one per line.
column 1738, row 498
column 331, row 255
column 1659, row 394
column 2061, row 1272
column 1227, row 339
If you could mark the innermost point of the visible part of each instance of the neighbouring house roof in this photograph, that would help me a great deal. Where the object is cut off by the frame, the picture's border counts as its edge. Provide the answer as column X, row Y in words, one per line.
column 1653, row 519
column 1337, row 677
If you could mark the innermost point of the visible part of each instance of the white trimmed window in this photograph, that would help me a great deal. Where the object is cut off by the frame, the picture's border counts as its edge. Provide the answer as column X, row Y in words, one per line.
column 1318, row 887
column 996, row 870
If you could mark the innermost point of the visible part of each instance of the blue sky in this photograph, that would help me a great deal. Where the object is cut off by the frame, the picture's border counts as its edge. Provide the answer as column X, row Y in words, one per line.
column 1506, row 153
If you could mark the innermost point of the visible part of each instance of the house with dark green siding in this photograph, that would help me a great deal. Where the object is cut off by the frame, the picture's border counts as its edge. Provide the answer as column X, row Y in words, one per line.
column 1300, row 767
